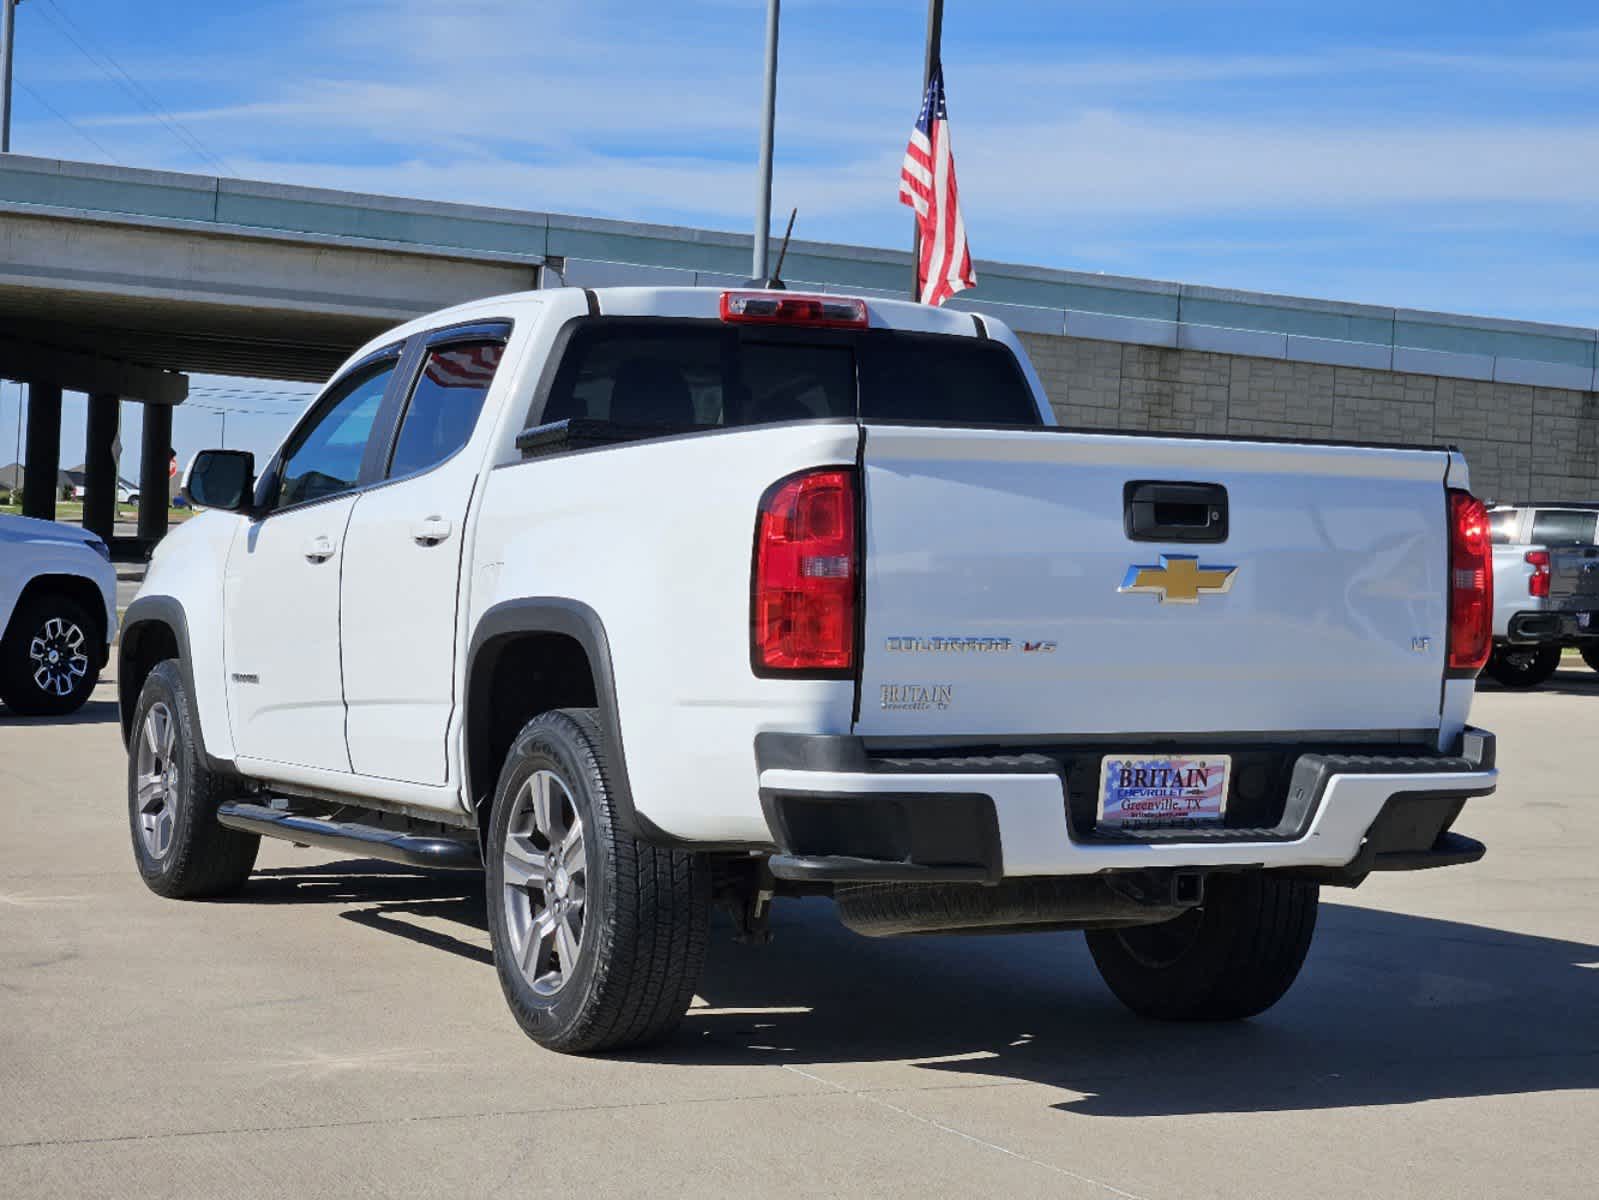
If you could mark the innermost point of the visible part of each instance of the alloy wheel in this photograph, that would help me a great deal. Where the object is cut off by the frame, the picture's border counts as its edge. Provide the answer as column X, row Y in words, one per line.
column 59, row 656
column 157, row 778
column 545, row 881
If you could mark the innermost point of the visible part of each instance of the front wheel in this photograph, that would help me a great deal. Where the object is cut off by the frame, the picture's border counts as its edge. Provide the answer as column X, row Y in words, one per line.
column 181, row 850
column 599, row 939
column 1232, row 957
column 1523, row 666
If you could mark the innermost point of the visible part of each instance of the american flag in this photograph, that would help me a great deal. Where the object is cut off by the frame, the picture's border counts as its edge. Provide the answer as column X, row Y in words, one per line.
column 927, row 184
column 468, row 366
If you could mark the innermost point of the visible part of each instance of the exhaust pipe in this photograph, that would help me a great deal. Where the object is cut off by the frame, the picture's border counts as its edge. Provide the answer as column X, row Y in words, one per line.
column 369, row 841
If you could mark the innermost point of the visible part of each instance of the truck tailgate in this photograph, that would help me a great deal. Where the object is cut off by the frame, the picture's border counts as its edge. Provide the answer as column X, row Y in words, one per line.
column 1573, row 578
column 996, row 563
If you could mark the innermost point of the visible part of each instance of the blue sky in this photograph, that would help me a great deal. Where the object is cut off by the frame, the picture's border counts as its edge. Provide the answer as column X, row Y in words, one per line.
column 1419, row 153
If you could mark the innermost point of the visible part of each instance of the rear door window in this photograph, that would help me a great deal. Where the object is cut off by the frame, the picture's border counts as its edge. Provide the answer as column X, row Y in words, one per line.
column 685, row 375
column 444, row 405
column 1563, row 527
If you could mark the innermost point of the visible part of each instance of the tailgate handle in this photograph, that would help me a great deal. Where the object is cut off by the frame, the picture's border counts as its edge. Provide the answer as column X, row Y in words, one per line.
column 1157, row 511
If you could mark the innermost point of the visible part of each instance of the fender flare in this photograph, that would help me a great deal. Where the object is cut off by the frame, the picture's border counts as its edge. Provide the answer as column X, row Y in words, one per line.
column 168, row 612
column 576, row 620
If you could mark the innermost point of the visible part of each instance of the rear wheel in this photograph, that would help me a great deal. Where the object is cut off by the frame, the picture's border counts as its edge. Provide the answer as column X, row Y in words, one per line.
column 599, row 939
column 1234, row 956
column 50, row 657
column 1590, row 655
column 1523, row 666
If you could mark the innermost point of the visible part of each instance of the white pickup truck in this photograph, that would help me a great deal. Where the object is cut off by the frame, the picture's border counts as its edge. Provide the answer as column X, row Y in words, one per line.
column 1546, row 589
column 649, row 599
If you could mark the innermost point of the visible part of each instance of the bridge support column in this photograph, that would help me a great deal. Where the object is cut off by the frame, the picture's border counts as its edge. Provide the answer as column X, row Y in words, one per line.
column 155, row 488
column 41, row 474
column 100, row 466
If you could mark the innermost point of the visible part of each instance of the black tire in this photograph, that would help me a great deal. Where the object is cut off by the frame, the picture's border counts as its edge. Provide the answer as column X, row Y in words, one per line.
column 643, row 911
column 187, row 855
column 60, row 626
column 1590, row 654
column 1232, row 957
column 1523, row 666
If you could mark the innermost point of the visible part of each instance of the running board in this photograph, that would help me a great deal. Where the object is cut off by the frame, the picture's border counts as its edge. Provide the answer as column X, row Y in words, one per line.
column 369, row 841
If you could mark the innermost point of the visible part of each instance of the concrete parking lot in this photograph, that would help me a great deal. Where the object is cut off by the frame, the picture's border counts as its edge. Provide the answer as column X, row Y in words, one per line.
column 337, row 1030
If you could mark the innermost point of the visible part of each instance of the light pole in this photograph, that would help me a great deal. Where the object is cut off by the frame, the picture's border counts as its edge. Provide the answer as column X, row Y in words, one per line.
column 18, row 457
column 8, row 32
column 763, row 203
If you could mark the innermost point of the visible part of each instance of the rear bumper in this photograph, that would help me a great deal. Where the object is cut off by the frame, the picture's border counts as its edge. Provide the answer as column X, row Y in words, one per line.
column 838, row 813
column 1545, row 628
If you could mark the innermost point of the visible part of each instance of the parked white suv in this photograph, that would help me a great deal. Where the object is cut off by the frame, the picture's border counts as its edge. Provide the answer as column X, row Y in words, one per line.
column 58, row 615
column 647, row 598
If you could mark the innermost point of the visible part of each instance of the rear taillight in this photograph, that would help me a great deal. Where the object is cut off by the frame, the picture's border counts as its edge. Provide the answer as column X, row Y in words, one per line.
column 1471, row 584
column 1538, row 581
column 803, row 618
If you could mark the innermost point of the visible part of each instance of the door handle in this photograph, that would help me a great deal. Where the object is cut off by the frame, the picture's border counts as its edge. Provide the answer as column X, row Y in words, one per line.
column 319, row 548
column 1157, row 511
column 431, row 531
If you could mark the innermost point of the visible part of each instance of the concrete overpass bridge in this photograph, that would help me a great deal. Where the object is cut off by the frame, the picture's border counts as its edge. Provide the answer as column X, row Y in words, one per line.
column 119, row 282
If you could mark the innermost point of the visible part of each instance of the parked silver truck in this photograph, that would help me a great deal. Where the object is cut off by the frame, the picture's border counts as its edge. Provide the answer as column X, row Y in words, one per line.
column 1546, row 589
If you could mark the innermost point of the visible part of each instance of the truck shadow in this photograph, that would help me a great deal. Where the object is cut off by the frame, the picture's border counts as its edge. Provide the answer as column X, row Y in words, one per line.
column 1391, row 1009
column 94, row 712
column 384, row 897
column 1568, row 681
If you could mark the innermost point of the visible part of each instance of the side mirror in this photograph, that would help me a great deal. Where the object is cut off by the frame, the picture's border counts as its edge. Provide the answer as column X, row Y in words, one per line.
column 222, row 479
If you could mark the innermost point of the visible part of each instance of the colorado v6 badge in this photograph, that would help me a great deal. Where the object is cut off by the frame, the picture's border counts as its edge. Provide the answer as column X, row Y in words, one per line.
column 1179, row 579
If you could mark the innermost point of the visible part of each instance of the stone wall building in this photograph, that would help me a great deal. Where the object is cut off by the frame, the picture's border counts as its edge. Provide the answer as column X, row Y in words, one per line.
column 127, row 277
column 1521, row 441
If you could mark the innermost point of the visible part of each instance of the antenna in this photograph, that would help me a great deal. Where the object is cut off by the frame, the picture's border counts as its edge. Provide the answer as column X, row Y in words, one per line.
column 776, row 281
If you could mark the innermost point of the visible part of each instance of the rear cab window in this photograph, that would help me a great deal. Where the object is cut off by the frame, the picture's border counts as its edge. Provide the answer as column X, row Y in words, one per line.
column 687, row 375
column 1563, row 526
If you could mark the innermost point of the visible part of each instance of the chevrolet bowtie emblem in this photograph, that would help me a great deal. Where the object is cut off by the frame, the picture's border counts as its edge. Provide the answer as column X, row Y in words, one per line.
column 1179, row 579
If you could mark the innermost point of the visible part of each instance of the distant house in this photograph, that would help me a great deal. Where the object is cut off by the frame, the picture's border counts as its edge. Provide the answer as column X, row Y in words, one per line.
column 11, row 479
column 69, row 484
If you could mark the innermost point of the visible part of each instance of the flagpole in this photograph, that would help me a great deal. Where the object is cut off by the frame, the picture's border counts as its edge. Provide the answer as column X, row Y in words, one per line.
column 935, row 47
column 763, row 198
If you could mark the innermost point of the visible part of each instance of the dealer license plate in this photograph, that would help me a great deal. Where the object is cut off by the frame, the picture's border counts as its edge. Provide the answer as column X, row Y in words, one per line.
column 1146, row 790
column 1585, row 620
